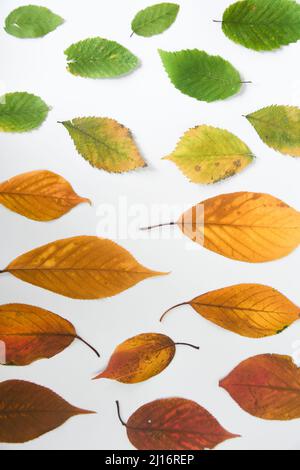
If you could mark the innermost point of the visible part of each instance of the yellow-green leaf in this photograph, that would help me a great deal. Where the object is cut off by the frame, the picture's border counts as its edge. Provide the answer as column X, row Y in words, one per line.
column 206, row 155
column 105, row 144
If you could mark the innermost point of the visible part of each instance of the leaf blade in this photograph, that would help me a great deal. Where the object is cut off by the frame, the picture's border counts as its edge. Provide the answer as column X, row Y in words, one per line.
column 83, row 267
column 207, row 155
column 267, row 387
column 100, row 58
column 200, row 75
column 39, row 195
column 155, row 19
column 21, row 112
column 32, row 21
column 105, row 144
column 28, row 411
column 262, row 25
column 279, row 128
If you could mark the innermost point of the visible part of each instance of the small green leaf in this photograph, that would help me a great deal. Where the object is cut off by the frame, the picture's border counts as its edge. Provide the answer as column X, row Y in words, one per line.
column 201, row 76
column 32, row 22
column 263, row 25
column 21, row 112
column 155, row 20
column 100, row 58
column 105, row 144
column 279, row 128
column 207, row 155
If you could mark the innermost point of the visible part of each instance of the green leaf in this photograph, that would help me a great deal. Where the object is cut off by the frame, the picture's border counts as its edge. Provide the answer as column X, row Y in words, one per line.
column 100, row 58
column 263, row 25
column 32, row 22
column 207, row 155
column 105, row 143
column 155, row 20
column 201, row 76
column 21, row 112
column 279, row 128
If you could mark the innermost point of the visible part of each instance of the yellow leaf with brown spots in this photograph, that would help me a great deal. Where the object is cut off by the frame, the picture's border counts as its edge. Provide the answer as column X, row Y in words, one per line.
column 39, row 195
column 82, row 267
column 207, row 155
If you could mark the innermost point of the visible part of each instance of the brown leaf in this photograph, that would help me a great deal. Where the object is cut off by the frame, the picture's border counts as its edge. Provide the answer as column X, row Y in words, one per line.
column 140, row 358
column 250, row 310
column 266, row 386
column 28, row 411
column 39, row 195
column 174, row 424
column 81, row 268
column 31, row 333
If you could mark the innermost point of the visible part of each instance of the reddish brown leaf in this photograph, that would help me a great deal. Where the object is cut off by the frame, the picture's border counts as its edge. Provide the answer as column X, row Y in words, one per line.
column 28, row 411
column 174, row 424
column 266, row 386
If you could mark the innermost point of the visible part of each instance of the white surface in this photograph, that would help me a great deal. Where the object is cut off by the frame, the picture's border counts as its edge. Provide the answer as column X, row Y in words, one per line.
column 158, row 115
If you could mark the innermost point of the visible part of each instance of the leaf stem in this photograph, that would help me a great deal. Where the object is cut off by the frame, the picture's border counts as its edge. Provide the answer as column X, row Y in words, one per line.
column 119, row 414
column 169, row 224
column 172, row 308
column 189, row 345
column 88, row 345
column 132, row 34
column 217, row 21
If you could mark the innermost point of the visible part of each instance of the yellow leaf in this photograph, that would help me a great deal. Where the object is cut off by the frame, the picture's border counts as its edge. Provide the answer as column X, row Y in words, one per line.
column 39, row 195
column 250, row 310
column 81, row 268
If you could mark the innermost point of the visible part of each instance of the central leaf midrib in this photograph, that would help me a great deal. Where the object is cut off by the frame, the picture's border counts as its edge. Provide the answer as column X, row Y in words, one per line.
column 227, row 307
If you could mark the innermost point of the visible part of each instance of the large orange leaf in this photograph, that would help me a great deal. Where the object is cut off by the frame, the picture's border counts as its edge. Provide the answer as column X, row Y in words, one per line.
column 28, row 411
column 31, row 333
column 250, row 227
column 81, row 268
column 140, row 358
column 174, row 424
column 39, row 195
column 250, row 310
column 266, row 386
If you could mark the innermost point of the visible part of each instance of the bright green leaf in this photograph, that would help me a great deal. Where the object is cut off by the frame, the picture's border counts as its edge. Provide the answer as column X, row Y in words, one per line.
column 21, row 112
column 279, row 128
column 201, row 76
column 263, row 25
column 155, row 20
column 206, row 155
column 32, row 22
column 100, row 58
column 105, row 144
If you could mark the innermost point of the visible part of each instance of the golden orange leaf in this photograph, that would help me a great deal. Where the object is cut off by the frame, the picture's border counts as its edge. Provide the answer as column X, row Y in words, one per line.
column 250, row 310
column 82, row 267
column 30, row 333
column 140, row 358
column 39, row 195
column 28, row 411
column 266, row 386
column 250, row 227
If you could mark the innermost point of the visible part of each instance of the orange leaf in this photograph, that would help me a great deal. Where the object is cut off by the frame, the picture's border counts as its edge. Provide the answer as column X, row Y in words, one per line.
column 250, row 310
column 81, row 268
column 39, row 195
column 174, row 424
column 28, row 411
column 31, row 333
column 266, row 386
column 140, row 358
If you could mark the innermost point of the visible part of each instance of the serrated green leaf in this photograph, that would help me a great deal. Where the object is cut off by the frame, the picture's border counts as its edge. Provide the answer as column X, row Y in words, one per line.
column 207, row 155
column 155, row 19
column 279, row 128
column 100, row 58
column 105, row 144
column 21, row 112
column 263, row 25
column 201, row 76
column 32, row 22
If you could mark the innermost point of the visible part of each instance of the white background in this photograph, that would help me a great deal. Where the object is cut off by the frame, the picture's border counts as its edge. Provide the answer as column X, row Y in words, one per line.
column 158, row 115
